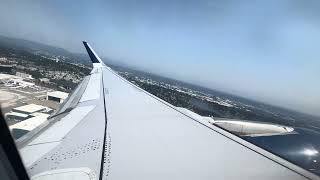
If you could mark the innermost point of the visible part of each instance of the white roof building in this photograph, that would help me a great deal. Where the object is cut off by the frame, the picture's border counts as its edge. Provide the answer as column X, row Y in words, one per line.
column 22, row 83
column 24, row 75
column 29, row 109
column 58, row 96
column 31, row 123
column 14, row 81
column 16, row 115
column 45, row 80
column 7, row 76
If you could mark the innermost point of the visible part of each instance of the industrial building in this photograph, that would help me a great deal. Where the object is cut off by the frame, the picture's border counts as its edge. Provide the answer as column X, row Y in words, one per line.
column 17, row 83
column 13, row 81
column 57, row 96
column 3, row 58
column 17, row 116
column 28, row 111
column 24, row 75
column 23, row 127
column 31, row 123
column 44, row 80
column 6, row 68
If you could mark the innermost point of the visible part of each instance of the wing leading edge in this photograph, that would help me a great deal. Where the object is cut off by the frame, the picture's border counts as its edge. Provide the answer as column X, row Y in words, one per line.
column 115, row 130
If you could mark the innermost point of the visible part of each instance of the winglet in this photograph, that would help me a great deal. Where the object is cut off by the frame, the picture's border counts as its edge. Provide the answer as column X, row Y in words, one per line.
column 93, row 56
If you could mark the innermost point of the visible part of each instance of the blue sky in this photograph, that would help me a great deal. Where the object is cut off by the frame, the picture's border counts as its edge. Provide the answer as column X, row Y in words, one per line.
column 265, row 50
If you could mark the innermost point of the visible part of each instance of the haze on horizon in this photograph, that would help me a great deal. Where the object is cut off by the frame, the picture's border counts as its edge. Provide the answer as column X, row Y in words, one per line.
column 264, row 50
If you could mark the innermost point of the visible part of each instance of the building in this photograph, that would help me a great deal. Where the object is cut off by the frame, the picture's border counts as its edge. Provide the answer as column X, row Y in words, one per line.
column 24, row 75
column 44, row 80
column 57, row 96
column 3, row 59
column 29, row 109
column 6, row 68
column 21, row 128
column 6, row 76
column 15, row 81
column 16, row 116
column 31, row 123
column 19, row 83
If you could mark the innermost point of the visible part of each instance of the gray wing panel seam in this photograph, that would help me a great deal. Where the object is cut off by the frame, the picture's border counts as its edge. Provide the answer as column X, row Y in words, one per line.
column 105, row 131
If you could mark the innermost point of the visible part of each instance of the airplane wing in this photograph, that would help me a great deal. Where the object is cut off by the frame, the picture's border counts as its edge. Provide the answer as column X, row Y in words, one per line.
column 109, row 128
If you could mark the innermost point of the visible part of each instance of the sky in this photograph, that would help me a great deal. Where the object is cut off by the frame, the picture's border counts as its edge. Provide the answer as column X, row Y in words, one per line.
column 264, row 50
